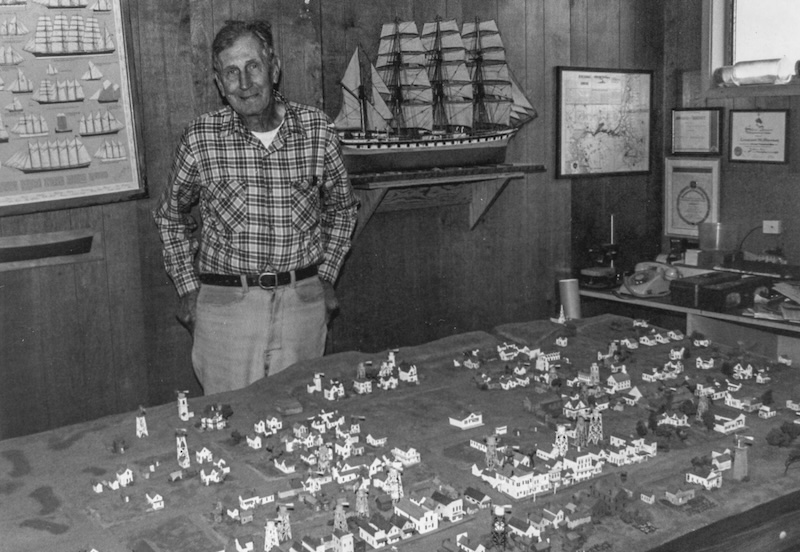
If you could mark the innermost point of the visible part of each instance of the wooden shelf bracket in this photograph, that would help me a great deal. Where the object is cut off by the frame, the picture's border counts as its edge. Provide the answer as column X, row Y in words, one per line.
column 487, row 183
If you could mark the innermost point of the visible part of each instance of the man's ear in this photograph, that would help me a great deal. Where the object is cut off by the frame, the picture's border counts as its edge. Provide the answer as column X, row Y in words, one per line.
column 276, row 69
column 218, row 82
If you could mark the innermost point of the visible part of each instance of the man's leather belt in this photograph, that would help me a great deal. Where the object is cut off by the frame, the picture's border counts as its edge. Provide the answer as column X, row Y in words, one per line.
column 265, row 280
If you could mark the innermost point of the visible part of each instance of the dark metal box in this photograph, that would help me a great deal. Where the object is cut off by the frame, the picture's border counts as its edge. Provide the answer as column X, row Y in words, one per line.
column 685, row 292
column 738, row 294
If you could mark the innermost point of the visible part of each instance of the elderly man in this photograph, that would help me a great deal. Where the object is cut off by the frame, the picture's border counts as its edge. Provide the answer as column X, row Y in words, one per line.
column 277, row 214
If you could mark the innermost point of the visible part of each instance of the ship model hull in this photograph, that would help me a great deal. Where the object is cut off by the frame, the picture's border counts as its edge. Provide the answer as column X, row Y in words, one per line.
column 376, row 155
column 444, row 97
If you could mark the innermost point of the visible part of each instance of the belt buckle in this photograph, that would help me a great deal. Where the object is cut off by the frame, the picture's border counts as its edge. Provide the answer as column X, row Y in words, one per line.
column 274, row 276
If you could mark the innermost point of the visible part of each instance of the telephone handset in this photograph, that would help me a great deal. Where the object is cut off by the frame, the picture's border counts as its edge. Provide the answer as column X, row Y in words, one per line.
column 649, row 279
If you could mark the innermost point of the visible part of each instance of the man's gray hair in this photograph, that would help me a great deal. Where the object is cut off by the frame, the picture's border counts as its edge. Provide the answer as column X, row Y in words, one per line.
column 233, row 30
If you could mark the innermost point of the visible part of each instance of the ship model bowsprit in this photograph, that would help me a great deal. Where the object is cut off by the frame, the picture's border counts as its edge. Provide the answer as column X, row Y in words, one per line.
column 440, row 99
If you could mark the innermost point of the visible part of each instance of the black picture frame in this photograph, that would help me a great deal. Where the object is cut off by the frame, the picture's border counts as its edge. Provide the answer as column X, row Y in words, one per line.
column 696, row 131
column 604, row 120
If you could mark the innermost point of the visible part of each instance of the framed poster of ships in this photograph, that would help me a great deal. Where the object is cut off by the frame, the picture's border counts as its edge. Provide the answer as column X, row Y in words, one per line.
column 68, row 134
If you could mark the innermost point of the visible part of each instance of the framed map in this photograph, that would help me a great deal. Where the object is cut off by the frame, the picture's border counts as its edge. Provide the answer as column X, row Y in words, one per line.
column 603, row 122
column 68, row 135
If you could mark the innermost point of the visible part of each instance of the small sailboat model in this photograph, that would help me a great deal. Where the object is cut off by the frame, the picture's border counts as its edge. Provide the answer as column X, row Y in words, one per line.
column 439, row 98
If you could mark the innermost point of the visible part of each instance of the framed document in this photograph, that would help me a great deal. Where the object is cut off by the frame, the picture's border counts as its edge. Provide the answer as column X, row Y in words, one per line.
column 697, row 131
column 691, row 195
column 603, row 122
column 759, row 136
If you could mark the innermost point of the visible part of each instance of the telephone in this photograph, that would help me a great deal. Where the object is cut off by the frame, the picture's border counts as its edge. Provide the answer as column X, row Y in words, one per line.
column 649, row 280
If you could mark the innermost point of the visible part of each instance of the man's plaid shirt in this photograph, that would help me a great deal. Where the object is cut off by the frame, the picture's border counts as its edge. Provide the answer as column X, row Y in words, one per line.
column 275, row 209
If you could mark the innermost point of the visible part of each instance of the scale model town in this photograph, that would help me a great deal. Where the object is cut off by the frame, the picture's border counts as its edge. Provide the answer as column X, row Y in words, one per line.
column 332, row 481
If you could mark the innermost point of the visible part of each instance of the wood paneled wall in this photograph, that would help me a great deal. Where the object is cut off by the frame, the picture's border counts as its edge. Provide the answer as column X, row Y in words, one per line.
column 83, row 340
column 749, row 192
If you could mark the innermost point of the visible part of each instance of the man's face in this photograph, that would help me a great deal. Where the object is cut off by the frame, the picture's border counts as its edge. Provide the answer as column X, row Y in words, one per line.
column 245, row 75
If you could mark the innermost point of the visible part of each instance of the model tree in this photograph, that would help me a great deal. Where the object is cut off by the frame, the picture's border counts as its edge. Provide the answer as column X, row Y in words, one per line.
column 702, row 408
column 709, row 420
column 794, row 456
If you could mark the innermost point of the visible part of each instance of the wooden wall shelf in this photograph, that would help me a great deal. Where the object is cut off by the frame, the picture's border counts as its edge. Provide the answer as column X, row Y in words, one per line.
column 487, row 182
column 51, row 248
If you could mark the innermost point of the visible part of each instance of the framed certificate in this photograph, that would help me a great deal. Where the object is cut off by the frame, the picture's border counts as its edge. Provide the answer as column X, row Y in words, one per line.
column 697, row 131
column 691, row 195
column 759, row 136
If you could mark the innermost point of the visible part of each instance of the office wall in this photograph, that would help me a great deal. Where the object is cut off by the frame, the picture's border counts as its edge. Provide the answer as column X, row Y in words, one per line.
column 749, row 192
column 81, row 340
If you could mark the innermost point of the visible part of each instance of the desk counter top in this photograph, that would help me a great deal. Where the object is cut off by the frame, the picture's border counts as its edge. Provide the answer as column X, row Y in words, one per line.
column 46, row 480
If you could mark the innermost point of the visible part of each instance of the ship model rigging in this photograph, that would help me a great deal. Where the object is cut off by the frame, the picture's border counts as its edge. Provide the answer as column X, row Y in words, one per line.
column 441, row 98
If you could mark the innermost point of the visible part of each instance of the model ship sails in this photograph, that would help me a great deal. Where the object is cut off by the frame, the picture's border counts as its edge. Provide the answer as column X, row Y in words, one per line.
column 442, row 98
column 78, row 36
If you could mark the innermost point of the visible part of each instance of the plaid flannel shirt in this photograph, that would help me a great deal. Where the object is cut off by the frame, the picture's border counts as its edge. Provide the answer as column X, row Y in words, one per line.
column 275, row 209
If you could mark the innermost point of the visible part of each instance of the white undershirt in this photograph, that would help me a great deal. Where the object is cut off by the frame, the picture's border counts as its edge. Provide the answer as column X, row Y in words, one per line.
column 267, row 137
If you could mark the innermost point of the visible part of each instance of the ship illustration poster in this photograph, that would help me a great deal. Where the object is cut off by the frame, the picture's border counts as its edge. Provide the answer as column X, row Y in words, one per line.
column 68, row 129
column 441, row 97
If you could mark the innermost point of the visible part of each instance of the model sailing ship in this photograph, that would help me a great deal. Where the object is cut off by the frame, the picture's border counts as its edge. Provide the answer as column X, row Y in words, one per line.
column 443, row 98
